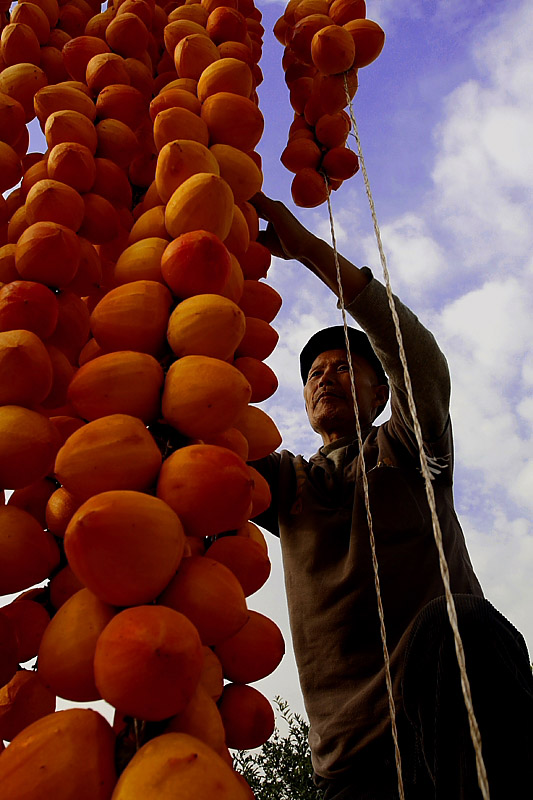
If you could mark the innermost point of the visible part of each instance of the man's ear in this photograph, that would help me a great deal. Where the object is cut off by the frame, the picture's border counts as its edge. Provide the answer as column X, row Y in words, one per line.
column 381, row 395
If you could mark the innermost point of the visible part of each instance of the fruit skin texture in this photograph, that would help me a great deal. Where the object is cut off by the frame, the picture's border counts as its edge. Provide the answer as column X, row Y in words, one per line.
column 203, row 396
column 28, row 554
column 210, row 595
column 113, row 452
column 209, row 488
column 63, row 755
column 67, row 648
column 124, row 546
column 178, row 765
column 28, row 445
column 148, row 662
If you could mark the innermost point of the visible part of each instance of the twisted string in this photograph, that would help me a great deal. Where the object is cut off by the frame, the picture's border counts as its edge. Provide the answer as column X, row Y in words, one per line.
column 388, row 680
column 450, row 604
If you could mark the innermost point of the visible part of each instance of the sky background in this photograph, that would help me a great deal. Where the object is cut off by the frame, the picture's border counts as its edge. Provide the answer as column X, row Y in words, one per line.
column 446, row 120
column 446, row 123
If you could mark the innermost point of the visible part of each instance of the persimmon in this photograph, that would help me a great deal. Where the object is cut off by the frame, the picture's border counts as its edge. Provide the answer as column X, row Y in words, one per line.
column 308, row 188
column 33, row 498
column 10, row 167
column 238, row 239
column 48, row 252
column 330, row 91
column 261, row 495
column 259, row 375
column 20, row 44
column 240, row 50
column 180, row 159
column 76, row 747
column 12, row 119
column 260, row 431
column 29, row 554
column 141, row 261
column 123, row 102
column 191, row 11
column 113, row 452
column 177, row 29
column 253, row 652
column 203, row 395
column 174, row 98
column 302, row 34
column 225, row 75
column 200, row 718
column 72, row 163
column 233, row 287
column 210, row 595
column 78, row 52
column 333, row 50
column 127, row 35
column 238, row 169
column 124, row 546
column 193, row 53
column 340, row 163
column 23, row 700
column 255, row 262
column 232, row 119
column 211, row 677
column 116, row 141
column 62, row 98
column 70, row 126
column 28, row 444
column 124, row 382
column 299, row 153
column 21, row 82
column 247, row 716
column 260, row 300
column 226, row 24
column 60, row 507
column 259, row 339
column 62, row 372
column 206, row 325
column 208, row 487
column 150, row 224
column 30, row 306
column 232, row 439
column 72, row 329
column 105, row 69
column 196, row 262
column 30, row 620
column 63, row 585
column 133, row 317
column 148, row 662
column 177, row 764
column 179, row 123
column 25, row 369
column 202, row 202
column 245, row 557
column 368, row 38
column 250, row 531
column 9, row 660
column 112, row 182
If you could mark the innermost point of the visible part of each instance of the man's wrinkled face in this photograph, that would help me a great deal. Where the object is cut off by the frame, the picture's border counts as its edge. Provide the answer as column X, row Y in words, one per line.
column 328, row 394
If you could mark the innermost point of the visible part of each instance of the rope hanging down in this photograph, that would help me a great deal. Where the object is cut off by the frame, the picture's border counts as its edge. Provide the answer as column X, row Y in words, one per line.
column 450, row 604
column 392, row 708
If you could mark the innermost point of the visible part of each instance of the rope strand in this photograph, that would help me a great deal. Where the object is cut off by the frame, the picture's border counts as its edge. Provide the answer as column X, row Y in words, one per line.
column 450, row 604
column 388, row 680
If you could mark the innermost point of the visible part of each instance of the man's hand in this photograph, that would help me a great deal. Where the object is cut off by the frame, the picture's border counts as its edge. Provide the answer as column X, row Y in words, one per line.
column 284, row 236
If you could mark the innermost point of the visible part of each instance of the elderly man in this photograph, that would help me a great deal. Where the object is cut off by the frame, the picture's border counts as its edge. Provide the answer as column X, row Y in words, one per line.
column 319, row 512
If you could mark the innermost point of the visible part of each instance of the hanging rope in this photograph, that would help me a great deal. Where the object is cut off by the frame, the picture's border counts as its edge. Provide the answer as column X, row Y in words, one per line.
column 392, row 707
column 450, row 604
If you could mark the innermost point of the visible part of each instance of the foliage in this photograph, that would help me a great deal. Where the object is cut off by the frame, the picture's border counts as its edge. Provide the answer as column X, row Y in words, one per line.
column 281, row 769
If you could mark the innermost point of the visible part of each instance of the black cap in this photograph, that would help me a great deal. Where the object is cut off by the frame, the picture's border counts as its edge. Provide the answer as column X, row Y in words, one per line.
column 334, row 339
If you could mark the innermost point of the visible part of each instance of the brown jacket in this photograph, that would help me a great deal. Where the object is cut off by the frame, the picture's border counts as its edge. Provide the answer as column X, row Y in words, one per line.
column 318, row 511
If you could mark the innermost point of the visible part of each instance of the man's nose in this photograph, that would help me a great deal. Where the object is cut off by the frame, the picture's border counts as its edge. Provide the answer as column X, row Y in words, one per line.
column 326, row 379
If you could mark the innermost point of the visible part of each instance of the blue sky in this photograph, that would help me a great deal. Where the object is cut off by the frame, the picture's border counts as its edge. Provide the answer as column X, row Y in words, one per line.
column 445, row 119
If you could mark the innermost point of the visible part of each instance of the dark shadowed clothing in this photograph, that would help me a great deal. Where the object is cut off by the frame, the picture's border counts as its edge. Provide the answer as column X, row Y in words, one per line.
column 318, row 510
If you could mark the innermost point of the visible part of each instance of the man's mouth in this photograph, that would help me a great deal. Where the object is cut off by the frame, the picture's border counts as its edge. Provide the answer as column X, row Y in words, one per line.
column 327, row 394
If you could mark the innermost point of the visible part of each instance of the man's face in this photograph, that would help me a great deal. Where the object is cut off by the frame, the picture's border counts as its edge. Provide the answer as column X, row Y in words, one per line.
column 328, row 394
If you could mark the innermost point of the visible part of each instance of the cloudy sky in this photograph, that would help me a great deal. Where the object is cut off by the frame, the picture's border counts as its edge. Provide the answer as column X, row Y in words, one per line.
column 446, row 120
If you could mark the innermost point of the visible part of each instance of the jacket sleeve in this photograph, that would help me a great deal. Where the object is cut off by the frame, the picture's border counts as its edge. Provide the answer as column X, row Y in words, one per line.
column 269, row 468
column 427, row 365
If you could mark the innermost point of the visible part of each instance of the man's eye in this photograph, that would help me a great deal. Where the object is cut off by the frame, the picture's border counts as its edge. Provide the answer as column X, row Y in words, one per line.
column 343, row 368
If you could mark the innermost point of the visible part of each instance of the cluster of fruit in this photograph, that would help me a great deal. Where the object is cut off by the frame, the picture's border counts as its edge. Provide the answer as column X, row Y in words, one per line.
column 325, row 45
column 134, row 324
